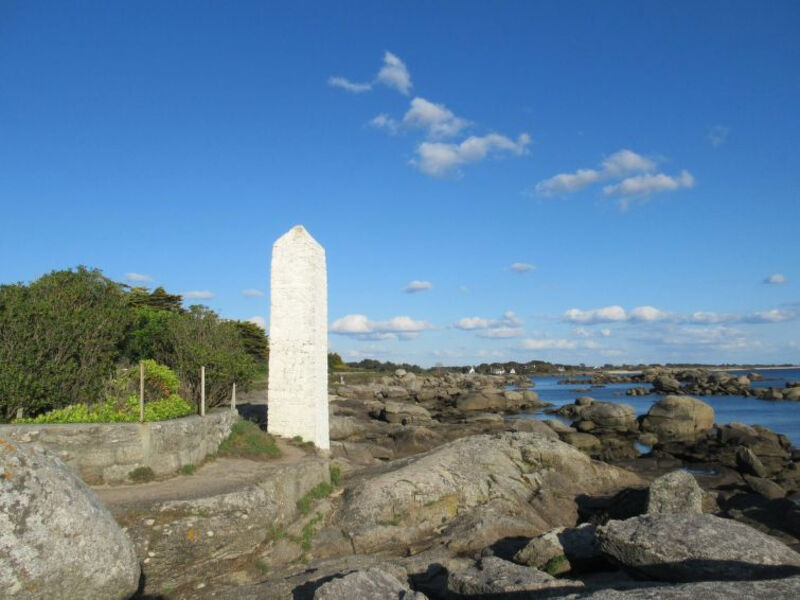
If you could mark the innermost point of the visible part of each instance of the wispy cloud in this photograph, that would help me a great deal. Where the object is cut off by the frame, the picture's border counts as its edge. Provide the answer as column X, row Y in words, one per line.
column 439, row 159
column 522, row 267
column 394, row 74
column 416, row 286
column 775, row 279
column 385, row 122
column 642, row 186
column 547, row 344
column 252, row 293
column 618, row 164
column 138, row 277
column 718, row 135
column 346, row 84
column 361, row 327
column 436, row 119
column 198, row 294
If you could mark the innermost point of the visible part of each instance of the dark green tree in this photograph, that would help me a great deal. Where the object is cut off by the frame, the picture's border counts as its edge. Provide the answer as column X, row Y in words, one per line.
column 255, row 341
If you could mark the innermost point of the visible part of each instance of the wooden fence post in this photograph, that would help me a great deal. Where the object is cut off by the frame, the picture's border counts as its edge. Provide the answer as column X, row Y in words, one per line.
column 202, row 391
column 233, row 397
column 141, row 391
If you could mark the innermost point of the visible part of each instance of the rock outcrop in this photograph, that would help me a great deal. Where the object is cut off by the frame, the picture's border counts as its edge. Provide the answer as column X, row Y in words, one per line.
column 485, row 481
column 56, row 539
column 682, row 547
column 369, row 584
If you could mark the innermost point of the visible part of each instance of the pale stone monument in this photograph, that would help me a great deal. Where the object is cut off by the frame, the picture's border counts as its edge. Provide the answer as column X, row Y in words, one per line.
column 298, row 339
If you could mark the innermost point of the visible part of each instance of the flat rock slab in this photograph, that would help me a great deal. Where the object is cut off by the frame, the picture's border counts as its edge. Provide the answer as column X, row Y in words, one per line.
column 684, row 547
column 497, row 578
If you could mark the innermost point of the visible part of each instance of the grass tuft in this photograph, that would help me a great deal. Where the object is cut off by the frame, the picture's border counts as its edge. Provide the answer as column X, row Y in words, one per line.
column 248, row 441
column 318, row 492
column 142, row 475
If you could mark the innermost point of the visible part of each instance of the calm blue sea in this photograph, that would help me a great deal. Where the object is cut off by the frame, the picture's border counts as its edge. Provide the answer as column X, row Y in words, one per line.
column 782, row 417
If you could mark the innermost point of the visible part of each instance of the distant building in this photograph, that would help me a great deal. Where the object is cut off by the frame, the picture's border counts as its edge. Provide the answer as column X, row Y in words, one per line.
column 512, row 372
column 498, row 371
column 471, row 371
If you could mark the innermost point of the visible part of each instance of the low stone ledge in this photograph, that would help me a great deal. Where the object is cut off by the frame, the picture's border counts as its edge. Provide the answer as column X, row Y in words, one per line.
column 108, row 452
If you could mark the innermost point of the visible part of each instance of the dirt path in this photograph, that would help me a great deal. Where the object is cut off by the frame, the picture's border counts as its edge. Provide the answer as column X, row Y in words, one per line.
column 220, row 476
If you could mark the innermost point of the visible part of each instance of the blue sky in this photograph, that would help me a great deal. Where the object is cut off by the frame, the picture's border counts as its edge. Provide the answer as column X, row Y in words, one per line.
column 570, row 181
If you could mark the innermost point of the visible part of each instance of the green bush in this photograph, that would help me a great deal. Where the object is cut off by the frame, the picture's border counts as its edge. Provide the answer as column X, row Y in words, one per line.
column 318, row 492
column 188, row 469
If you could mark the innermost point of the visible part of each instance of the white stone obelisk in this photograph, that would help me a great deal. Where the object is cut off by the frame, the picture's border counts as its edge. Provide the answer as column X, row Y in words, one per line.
column 298, row 339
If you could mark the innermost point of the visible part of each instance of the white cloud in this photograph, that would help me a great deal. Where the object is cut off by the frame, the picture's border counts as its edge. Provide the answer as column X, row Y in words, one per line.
column 437, row 119
column 502, row 326
column 775, row 279
column 260, row 321
column 356, row 88
column 587, row 333
column 718, row 135
column 605, row 332
column 198, row 294
column 384, row 121
column 439, row 159
column 361, row 327
column 547, row 344
column 138, row 277
column 469, row 323
column 567, row 183
column 394, row 74
column 626, row 161
column 417, row 286
column 609, row 314
column 648, row 313
column 501, row 332
column 252, row 293
column 522, row 267
column 618, row 164
column 642, row 186
column 651, row 314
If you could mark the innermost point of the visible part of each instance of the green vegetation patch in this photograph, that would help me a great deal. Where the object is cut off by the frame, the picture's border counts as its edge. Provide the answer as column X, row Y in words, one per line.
column 188, row 469
column 246, row 440
column 556, row 565
column 318, row 492
column 172, row 407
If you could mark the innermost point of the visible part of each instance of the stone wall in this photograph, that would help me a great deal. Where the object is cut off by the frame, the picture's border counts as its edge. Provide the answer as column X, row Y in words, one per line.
column 108, row 452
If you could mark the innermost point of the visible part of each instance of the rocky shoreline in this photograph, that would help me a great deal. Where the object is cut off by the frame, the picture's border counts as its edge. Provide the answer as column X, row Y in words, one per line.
column 447, row 493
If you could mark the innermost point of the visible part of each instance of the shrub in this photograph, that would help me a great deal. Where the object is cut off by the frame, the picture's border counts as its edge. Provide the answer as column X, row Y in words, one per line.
column 246, row 440
column 336, row 475
column 188, row 469
column 142, row 475
column 59, row 339
column 110, row 411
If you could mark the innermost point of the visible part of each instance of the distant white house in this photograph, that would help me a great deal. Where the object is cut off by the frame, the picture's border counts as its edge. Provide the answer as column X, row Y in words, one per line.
column 500, row 371
column 560, row 369
column 471, row 371
column 512, row 372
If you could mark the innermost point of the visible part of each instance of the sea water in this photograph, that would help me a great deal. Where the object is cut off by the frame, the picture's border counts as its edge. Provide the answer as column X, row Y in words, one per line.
column 781, row 417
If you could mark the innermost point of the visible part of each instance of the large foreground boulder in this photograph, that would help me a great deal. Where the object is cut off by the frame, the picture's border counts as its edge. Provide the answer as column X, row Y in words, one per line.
column 676, row 547
column 56, row 539
column 678, row 418
column 526, row 483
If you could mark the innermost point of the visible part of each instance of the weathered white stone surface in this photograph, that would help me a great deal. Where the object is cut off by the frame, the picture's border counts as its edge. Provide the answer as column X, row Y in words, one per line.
column 298, row 339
